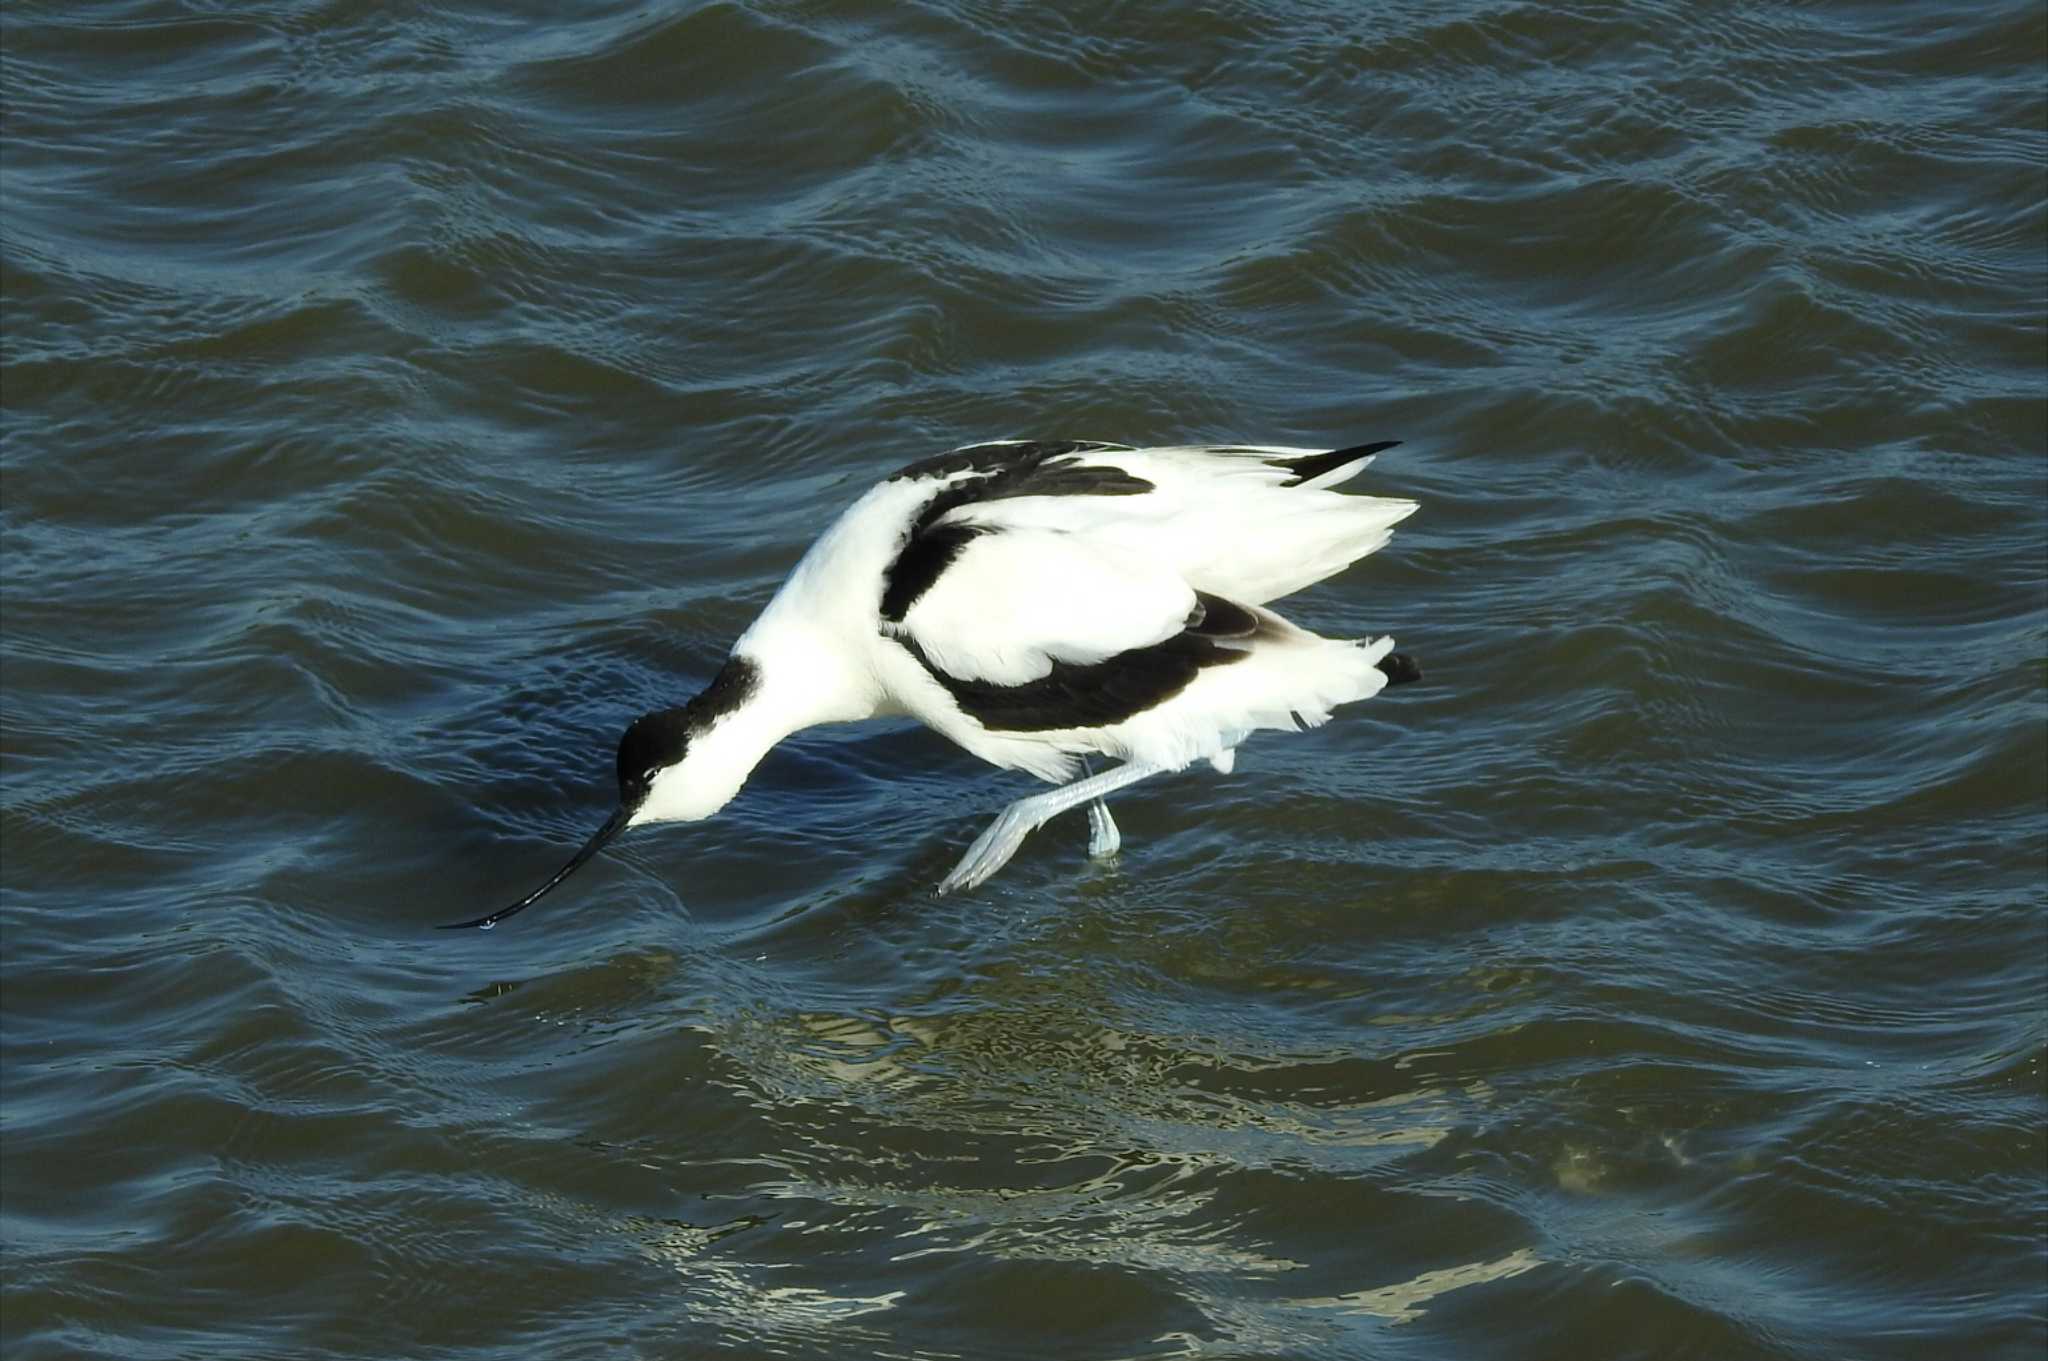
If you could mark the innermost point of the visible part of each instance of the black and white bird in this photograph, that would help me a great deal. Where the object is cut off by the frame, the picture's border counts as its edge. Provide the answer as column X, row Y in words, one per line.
column 1039, row 603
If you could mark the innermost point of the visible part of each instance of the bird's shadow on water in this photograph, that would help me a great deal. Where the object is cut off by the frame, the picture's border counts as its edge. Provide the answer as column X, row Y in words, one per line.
column 817, row 881
column 882, row 809
column 860, row 820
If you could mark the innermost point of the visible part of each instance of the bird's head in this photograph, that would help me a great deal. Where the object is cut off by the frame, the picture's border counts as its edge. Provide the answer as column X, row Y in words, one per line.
column 653, row 753
column 667, row 772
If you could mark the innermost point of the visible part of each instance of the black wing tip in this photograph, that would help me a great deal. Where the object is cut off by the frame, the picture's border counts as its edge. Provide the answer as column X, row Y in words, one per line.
column 1302, row 469
column 1400, row 668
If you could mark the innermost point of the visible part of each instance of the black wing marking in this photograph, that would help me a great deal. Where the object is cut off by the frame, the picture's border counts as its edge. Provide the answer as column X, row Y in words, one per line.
column 1097, row 694
column 1000, row 471
column 1002, row 456
column 1315, row 465
column 918, row 565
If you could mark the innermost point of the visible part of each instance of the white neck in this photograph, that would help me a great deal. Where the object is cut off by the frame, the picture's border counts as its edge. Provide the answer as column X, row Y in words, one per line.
column 800, row 683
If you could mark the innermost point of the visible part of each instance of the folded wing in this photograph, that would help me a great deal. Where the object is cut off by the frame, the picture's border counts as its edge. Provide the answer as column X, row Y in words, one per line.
column 1252, row 524
column 1012, row 602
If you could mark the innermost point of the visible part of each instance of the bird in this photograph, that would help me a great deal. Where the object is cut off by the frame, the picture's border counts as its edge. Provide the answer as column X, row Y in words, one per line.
column 1040, row 603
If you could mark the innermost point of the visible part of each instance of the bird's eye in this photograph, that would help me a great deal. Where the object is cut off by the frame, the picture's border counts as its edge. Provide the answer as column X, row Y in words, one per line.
column 647, row 775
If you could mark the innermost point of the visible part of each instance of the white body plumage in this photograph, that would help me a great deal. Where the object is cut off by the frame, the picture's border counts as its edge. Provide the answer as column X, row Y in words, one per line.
column 1058, row 578
column 1037, row 603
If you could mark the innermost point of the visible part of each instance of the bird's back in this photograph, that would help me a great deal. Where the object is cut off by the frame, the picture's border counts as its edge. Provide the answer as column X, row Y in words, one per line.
column 1038, row 600
column 1250, row 523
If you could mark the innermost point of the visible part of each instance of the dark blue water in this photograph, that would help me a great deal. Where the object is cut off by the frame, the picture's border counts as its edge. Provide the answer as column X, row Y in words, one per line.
column 398, row 402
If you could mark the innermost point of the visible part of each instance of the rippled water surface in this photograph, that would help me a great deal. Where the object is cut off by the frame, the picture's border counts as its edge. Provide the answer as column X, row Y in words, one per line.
column 397, row 401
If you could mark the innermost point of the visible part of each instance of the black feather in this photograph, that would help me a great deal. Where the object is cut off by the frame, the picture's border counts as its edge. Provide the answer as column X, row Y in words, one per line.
column 658, row 740
column 1315, row 465
column 1000, row 471
column 1084, row 695
column 919, row 565
column 1097, row 694
column 1001, row 457
column 1400, row 668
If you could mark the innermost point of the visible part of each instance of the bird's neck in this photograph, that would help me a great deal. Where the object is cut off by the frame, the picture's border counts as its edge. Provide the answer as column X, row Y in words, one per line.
column 718, row 761
column 788, row 687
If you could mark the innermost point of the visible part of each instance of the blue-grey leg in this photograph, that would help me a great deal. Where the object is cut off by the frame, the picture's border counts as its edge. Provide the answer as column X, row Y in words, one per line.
column 994, row 847
column 1104, row 840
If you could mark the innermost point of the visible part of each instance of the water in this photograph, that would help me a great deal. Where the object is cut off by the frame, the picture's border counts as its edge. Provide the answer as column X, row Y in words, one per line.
column 396, row 403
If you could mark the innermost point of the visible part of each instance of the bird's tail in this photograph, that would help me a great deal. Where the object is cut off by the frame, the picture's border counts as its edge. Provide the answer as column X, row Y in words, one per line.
column 1287, row 679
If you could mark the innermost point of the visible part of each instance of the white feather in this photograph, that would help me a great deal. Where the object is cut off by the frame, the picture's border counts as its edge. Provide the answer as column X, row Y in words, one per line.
column 1089, row 584
column 1225, row 521
column 1073, row 578
column 1009, row 605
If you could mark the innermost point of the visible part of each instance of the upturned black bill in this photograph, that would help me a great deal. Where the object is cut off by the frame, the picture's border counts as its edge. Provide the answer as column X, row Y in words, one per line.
column 612, row 827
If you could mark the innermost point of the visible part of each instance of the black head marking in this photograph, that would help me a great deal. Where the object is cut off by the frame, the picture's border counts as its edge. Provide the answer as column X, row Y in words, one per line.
column 653, row 743
column 658, row 740
column 735, row 684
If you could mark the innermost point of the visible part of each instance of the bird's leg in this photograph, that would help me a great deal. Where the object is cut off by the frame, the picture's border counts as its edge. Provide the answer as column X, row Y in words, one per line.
column 1104, row 840
column 994, row 847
